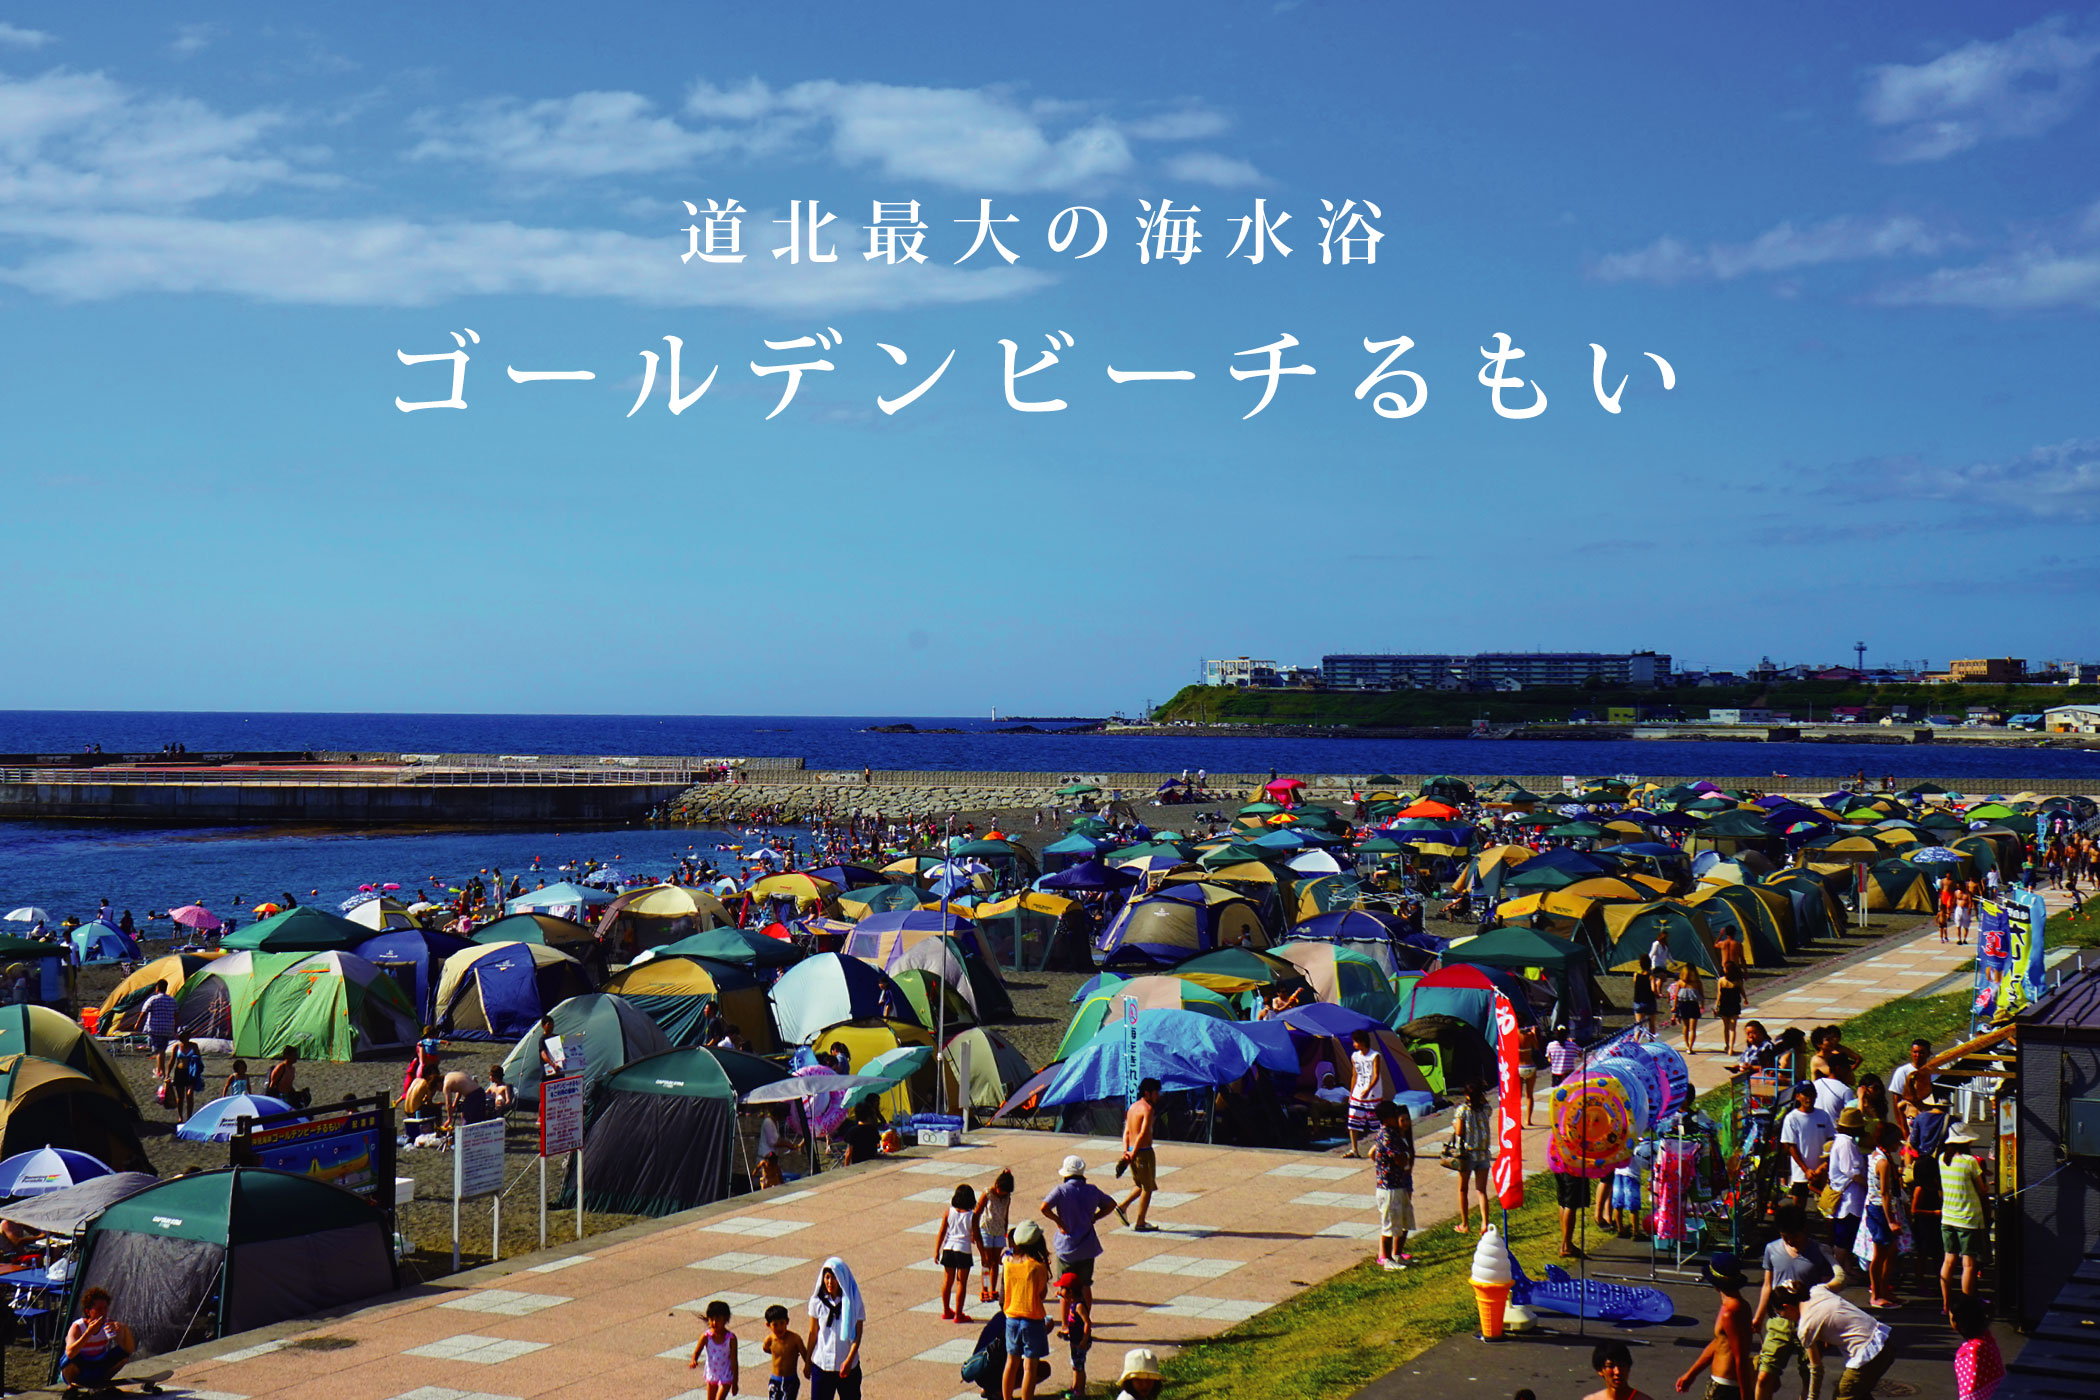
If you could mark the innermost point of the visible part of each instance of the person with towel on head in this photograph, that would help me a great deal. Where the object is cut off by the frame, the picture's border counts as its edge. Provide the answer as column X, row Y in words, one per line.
column 837, row 1319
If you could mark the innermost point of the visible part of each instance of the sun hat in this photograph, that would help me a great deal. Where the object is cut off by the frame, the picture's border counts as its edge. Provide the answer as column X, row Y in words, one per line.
column 1028, row 1233
column 1962, row 1135
column 1851, row 1118
column 1140, row 1364
column 1073, row 1166
column 1724, row 1270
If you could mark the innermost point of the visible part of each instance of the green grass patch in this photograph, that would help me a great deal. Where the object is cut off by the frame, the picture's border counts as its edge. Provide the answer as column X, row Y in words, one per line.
column 1340, row 1334
column 2081, row 930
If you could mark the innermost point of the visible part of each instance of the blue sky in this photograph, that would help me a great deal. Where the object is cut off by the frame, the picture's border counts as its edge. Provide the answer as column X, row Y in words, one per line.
column 1868, row 245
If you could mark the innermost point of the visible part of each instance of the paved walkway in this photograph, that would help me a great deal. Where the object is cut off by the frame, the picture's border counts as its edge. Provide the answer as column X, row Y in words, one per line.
column 1242, row 1229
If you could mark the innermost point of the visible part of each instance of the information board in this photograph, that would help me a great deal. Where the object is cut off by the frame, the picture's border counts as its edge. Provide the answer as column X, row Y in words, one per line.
column 561, row 1115
column 477, row 1160
column 342, row 1150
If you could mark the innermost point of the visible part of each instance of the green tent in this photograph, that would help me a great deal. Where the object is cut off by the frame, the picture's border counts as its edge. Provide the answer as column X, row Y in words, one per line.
column 733, row 945
column 303, row 928
column 333, row 1006
column 1514, row 946
column 1635, row 927
column 610, row 1031
column 658, row 1136
column 205, row 1256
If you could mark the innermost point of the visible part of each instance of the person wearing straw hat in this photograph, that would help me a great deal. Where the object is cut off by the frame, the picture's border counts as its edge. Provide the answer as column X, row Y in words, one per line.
column 1726, row 1358
column 1141, row 1379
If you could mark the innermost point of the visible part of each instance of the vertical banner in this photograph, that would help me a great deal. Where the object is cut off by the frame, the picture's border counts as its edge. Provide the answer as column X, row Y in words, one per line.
column 1131, row 1076
column 1508, row 1170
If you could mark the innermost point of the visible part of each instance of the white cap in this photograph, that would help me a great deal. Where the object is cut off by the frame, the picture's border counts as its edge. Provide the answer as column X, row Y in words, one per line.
column 1074, row 1166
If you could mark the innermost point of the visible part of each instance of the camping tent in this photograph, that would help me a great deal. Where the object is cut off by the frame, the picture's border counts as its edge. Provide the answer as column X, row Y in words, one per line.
column 1343, row 976
column 823, row 990
column 1634, row 928
column 881, row 897
column 120, row 1008
column 500, row 991
column 678, row 993
column 1033, row 928
column 958, row 963
column 659, row 914
column 47, row 1104
column 1897, row 886
column 1171, row 928
column 381, row 914
column 333, row 1006
column 99, row 942
column 1181, row 1049
column 609, row 1031
column 882, row 938
column 996, row 1068
column 1762, row 918
column 1151, row 993
column 658, row 1136
column 413, row 958
column 742, row 946
column 52, row 1035
column 577, row 940
column 203, row 1256
column 303, row 928
column 1450, row 1052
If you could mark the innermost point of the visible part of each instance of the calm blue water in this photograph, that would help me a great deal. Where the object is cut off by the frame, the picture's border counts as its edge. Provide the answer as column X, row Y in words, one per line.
column 839, row 742
column 65, row 868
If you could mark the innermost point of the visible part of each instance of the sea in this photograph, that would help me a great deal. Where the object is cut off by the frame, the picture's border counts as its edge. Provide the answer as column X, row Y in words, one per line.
column 67, row 868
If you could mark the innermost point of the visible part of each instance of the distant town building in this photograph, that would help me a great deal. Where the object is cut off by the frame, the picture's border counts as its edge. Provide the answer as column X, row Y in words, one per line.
column 1240, row 671
column 1493, row 670
column 1745, row 715
column 1992, row 670
column 2072, row 719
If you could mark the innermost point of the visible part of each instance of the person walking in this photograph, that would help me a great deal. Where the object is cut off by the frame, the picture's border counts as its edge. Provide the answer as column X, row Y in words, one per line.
column 953, row 1253
column 837, row 1321
column 1687, row 998
column 1726, row 1358
column 1138, row 1158
column 1473, row 1132
column 1961, row 1214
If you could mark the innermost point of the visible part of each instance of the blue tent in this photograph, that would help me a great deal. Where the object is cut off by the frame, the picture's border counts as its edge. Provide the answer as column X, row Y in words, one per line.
column 1088, row 875
column 1073, row 850
column 1385, row 937
column 413, row 958
column 1181, row 1049
column 100, row 942
column 829, row 988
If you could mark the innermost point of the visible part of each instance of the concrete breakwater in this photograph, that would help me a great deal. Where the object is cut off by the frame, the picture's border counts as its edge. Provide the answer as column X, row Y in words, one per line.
column 797, row 794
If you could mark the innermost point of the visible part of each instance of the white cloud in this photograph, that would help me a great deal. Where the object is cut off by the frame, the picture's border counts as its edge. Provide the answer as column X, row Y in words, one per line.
column 1209, row 168
column 81, row 140
column 591, row 133
column 15, row 37
column 2035, row 279
column 986, row 140
column 2059, row 481
column 395, row 262
column 2019, row 86
column 192, row 39
column 1782, row 248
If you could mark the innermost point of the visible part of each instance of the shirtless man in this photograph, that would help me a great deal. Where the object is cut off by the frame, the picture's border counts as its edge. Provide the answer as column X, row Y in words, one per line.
column 1137, row 1155
column 1727, row 1356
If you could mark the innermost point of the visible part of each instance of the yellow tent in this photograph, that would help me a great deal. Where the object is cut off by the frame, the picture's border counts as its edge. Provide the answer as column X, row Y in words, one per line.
column 120, row 1008
column 676, row 992
column 864, row 1040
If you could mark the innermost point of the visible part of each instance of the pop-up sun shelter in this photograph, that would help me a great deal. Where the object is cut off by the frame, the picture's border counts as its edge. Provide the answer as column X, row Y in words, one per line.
column 204, row 1256
column 304, row 928
column 658, row 1136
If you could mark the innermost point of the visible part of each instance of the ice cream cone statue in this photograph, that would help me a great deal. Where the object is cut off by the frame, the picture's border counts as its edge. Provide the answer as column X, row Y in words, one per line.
column 1492, row 1277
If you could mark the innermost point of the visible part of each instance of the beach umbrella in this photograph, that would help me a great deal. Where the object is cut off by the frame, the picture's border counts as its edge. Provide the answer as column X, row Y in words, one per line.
column 1077, row 790
column 195, row 916
column 555, row 897
column 28, row 914
column 46, row 1170
column 216, row 1121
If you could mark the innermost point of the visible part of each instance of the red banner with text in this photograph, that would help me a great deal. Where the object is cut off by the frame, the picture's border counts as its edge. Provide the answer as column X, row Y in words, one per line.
column 1508, row 1173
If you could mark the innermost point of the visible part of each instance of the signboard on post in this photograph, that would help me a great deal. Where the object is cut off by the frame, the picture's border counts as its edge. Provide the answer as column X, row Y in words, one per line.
column 561, row 1132
column 350, row 1145
column 1131, row 1075
column 477, row 1172
column 561, row 1115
